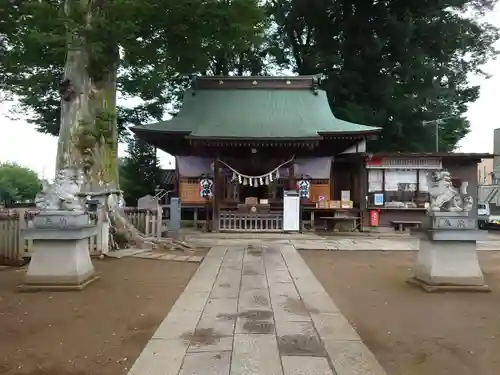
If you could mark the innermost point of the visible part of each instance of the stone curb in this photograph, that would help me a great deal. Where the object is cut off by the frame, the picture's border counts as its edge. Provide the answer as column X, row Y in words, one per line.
column 165, row 352
column 347, row 353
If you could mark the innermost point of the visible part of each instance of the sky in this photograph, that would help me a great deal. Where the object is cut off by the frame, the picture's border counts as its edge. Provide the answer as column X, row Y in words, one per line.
column 21, row 143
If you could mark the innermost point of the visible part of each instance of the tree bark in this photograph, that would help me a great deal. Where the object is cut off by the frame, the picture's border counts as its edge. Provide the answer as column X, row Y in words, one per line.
column 73, row 109
column 84, row 100
column 92, row 98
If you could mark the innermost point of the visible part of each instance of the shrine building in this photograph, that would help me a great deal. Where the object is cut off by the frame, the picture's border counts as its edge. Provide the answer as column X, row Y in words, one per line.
column 267, row 154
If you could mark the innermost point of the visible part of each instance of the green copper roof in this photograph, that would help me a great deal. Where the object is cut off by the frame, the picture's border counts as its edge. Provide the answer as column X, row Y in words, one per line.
column 255, row 113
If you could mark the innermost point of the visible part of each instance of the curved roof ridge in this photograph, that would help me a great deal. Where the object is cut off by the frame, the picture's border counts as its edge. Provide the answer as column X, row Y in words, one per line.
column 258, row 111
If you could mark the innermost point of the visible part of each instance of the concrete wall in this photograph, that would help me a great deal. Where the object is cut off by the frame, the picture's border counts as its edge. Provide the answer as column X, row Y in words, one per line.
column 484, row 170
column 496, row 151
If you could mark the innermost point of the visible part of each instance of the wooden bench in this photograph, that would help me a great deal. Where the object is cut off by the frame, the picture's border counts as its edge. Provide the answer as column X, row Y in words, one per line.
column 403, row 224
column 329, row 219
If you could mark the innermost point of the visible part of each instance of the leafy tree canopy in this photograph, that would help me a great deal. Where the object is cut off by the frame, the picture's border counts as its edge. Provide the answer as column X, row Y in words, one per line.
column 159, row 41
column 17, row 184
column 392, row 63
column 388, row 63
column 139, row 171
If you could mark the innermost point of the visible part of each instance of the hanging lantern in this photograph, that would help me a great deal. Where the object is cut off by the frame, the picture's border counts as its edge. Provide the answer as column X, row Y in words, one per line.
column 206, row 188
column 266, row 181
column 250, row 182
column 271, row 177
column 240, row 180
column 261, row 181
column 277, row 174
column 234, row 177
column 303, row 187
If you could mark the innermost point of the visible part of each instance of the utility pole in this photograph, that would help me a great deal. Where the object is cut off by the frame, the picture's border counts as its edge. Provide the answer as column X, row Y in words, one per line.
column 437, row 123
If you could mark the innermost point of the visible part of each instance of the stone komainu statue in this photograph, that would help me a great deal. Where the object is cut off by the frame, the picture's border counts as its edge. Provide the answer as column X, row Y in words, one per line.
column 444, row 196
column 62, row 194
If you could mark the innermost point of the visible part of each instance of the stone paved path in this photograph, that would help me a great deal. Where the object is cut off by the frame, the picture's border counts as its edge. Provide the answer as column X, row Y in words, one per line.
column 309, row 242
column 255, row 311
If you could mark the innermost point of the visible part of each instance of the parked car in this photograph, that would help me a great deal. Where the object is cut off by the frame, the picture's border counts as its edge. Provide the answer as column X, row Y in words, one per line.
column 485, row 219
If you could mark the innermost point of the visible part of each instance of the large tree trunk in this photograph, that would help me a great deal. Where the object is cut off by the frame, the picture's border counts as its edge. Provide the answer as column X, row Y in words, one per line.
column 88, row 137
column 88, row 107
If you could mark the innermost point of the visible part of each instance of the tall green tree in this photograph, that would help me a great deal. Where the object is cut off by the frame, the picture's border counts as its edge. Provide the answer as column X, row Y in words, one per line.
column 391, row 63
column 17, row 183
column 67, row 59
column 139, row 171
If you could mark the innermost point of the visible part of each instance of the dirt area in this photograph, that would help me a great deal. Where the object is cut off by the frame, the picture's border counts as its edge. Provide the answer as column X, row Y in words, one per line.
column 412, row 332
column 100, row 330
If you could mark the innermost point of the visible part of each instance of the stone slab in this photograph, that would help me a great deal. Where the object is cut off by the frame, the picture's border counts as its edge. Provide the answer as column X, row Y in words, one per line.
column 352, row 358
column 334, row 326
column 124, row 253
column 253, row 282
column 449, row 288
column 57, row 287
column 299, row 339
column 283, row 290
column 255, row 355
column 219, row 317
column 299, row 365
column 319, row 302
column 160, row 357
column 206, row 363
column 229, row 291
column 274, row 262
column 195, row 301
column 254, row 299
column 178, row 325
column 289, row 309
column 255, row 322
column 195, row 259
column 287, row 328
column 309, row 245
column 279, row 276
column 217, row 344
column 227, row 284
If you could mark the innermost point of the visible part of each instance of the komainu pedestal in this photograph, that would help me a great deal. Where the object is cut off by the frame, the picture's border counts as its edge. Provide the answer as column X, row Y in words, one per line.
column 447, row 259
column 60, row 253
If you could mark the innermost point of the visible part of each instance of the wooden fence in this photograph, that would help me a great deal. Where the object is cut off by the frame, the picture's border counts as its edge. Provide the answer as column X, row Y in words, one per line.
column 243, row 222
column 14, row 249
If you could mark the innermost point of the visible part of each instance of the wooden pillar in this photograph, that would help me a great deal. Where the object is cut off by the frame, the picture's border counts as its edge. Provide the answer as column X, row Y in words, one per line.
column 292, row 185
column 363, row 192
column 217, row 196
